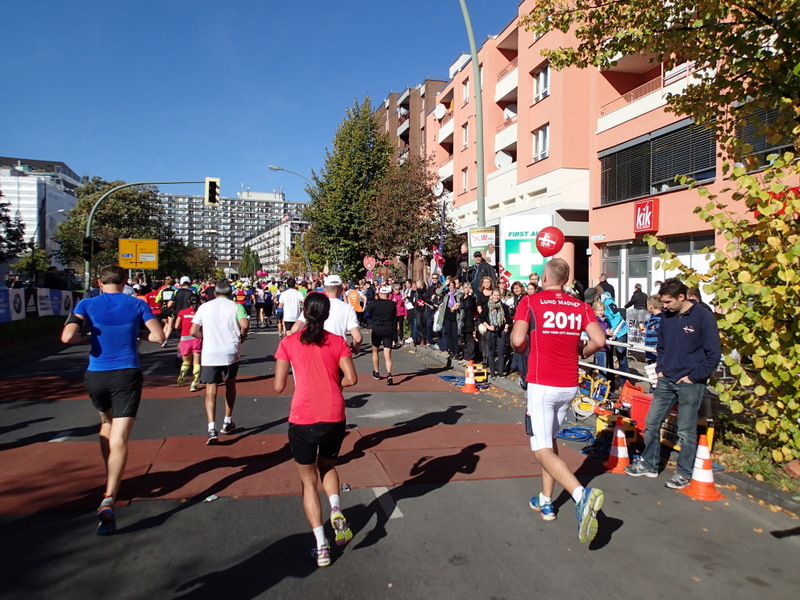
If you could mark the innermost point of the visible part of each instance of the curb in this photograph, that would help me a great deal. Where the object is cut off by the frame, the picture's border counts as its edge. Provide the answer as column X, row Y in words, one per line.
column 758, row 490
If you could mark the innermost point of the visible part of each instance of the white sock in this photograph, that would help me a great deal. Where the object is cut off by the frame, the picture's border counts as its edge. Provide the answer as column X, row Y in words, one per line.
column 212, row 425
column 544, row 499
column 107, row 501
column 226, row 420
column 319, row 533
column 334, row 498
column 577, row 493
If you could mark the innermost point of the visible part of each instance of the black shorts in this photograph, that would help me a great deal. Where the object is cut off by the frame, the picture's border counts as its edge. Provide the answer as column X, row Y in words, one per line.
column 268, row 309
column 219, row 374
column 119, row 391
column 378, row 337
column 289, row 325
column 323, row 440
column 166, row 313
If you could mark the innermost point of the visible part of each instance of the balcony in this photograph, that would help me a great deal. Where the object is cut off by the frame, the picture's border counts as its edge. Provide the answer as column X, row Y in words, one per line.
column 506, row 136
column 403, row 124
column 507, row 82
column 446, row 170
column 446, row 130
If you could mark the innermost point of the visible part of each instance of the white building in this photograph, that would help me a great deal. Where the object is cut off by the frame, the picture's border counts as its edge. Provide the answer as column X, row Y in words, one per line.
column 275, row 245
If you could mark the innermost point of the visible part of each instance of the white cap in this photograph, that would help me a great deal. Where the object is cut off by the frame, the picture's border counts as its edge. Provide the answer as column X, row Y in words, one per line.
column 385, row 290
column 185, row 279
column 333, row 280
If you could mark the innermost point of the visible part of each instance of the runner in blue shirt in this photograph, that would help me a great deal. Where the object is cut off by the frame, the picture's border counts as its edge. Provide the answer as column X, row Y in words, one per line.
column 113, row 379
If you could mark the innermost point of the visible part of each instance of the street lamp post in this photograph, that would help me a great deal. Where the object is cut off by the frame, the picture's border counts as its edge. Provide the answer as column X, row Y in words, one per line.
column 302, row 233
column 34, row 242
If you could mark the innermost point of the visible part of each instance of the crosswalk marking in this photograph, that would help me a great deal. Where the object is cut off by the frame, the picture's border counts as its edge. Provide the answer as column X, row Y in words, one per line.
column 387, row 503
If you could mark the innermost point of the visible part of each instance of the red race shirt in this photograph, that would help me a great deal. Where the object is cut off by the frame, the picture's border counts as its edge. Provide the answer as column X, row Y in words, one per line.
column 558, row 320
column 317, row 392
column 186, row 316
column 155, row 307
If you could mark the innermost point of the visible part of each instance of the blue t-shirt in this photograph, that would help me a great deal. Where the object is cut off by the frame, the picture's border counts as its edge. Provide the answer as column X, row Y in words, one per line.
column 115, row 320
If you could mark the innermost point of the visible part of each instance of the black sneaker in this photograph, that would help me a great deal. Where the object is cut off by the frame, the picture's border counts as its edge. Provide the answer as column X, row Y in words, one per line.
column 228, row 428
column 389, row 380
column 376, row 376
column 212, row 437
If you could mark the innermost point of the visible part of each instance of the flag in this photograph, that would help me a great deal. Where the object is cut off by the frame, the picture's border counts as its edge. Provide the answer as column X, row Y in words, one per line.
column 504, row 274
column 437, row 256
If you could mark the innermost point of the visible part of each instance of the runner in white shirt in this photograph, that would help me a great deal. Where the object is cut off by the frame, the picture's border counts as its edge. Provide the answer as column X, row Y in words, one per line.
column 291, row 303
column 342, row 317
column 222, row 324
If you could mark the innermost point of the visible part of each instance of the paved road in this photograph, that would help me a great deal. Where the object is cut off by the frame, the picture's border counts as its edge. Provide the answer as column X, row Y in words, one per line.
column 440, row 482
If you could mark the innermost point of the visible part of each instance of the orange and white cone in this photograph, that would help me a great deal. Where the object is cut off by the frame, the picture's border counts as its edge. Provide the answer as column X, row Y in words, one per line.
column 469, row 380
column 618, row 457
column 702, row 487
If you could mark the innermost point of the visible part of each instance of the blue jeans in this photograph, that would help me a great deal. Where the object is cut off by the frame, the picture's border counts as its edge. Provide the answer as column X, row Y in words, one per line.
column 688, row 396
column 622, row 359
column 429, row 325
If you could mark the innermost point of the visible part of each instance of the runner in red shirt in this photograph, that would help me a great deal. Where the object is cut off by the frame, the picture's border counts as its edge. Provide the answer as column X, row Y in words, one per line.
column 322, row 364
column 555, row 321
column 190, row 346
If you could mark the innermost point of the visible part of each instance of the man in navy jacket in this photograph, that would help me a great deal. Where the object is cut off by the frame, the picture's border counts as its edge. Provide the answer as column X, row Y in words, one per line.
column 688, row 353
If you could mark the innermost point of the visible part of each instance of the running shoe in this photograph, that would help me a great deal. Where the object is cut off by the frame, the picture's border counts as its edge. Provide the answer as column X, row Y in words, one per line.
column 389, row 380
column 228, row 428
column 586, row 513
column 376, row 376
column 212, row 437
column 194, row 387
column 546, row 511
column 677, row 482
column 107, row 519
column 639, row 469
column 323, row 555
column 339, row 524
column 182, row 378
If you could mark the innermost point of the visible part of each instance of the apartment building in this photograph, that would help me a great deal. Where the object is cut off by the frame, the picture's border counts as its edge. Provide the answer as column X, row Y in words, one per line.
column 402, row 117
column 537, row 153
column 224, row 229
column 274, row 246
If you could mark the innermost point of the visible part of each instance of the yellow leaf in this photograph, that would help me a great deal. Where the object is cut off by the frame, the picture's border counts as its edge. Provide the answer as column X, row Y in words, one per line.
column 745, row 277
column 758, row 530
column 761, row 427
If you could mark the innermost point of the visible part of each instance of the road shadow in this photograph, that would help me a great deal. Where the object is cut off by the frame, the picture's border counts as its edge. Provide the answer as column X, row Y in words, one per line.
column 428, row 474
column 356, row 401
column 784, row 533
column 449, row 416
column 289, row 557
column 422, row 373
column 46, row 436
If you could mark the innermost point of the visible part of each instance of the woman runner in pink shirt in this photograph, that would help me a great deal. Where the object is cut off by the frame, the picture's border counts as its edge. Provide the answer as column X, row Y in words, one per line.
column 322, row 365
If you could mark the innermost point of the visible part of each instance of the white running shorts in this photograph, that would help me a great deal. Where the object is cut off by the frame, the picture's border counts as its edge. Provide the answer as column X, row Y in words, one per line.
column 547, row 406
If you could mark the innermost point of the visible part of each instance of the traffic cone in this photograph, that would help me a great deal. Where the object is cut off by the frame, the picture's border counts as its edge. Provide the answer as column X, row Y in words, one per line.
column 618, row 457
column 702, row 487
column 469, row 380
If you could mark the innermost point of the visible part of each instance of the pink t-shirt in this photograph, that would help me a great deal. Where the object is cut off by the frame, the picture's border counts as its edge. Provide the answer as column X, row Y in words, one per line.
column 401, row 305
column 317, row 393
column 558, row 320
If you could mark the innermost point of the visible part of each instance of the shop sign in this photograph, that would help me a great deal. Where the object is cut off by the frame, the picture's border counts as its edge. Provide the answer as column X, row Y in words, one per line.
column 645, row 216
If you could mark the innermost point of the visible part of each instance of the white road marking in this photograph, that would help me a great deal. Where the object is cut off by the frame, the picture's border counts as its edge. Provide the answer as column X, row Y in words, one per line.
column 384, row 414
column 63, row 436
column 152, row 368
column 387, row 503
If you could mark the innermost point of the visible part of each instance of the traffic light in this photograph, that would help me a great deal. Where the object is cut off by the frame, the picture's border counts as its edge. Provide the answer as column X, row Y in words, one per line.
column 91, row 247
column 212, row 191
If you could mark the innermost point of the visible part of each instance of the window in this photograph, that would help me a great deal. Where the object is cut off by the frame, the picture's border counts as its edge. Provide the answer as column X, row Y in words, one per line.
column 465, row 179
column 541, row 84
column 465, row 135
column 753, row 132
column 465, row 90
column 651, row 165
column 541, row 143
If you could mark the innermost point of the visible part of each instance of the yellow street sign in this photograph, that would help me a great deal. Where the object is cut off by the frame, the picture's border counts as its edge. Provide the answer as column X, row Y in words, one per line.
column 138, row 254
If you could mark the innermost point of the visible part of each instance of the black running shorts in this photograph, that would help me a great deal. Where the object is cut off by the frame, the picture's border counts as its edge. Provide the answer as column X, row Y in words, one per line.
column 386, row 338
column 219, row 374
column 323, row 440
column 119, row 391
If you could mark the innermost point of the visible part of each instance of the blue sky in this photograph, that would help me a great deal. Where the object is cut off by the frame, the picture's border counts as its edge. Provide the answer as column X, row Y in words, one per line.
column 180, row 90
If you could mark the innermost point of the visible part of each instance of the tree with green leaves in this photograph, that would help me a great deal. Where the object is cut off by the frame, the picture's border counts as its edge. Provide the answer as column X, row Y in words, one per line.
column 250, row 263
column 343, row 192
column 12, row 233
column 34, row 261
column 743, row 53
column 130, row 213
column 745, row 76
column 177, row 258
column 406, row 217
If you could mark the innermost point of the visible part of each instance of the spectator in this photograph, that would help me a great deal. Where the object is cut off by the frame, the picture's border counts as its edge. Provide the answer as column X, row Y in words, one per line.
column 638, row 299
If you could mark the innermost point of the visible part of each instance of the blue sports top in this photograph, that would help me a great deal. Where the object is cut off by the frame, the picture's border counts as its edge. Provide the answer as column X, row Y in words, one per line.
column 115, row 320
